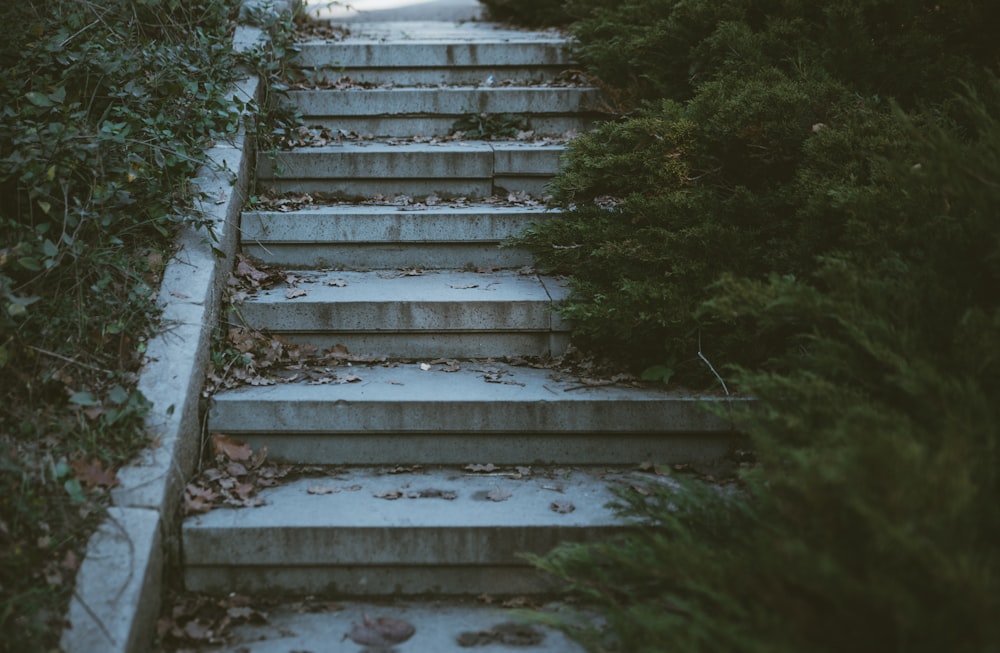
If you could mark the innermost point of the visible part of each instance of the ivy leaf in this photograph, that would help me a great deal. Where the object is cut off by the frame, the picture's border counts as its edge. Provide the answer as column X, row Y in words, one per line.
column 657, row 373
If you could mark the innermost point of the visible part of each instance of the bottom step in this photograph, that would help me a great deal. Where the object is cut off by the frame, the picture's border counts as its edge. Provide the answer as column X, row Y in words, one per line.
column 371, row 532
column 437, row 627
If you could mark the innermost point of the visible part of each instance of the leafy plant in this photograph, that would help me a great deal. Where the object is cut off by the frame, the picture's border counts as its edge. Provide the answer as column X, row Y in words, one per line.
column 107, row 108
column 490, row 126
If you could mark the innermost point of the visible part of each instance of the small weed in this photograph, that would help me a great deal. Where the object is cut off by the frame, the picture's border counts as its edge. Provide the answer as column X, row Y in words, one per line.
column 488, row 126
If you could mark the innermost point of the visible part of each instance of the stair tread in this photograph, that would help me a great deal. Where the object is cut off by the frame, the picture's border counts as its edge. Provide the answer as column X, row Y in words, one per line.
column 355, row 499
column 413, row 287
column 479, row 399
column 438, row 624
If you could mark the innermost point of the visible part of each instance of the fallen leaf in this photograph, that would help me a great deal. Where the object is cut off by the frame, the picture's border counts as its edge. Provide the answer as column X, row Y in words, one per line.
column 381, row 631
column 337, row 283
column 390, row 495
column 433, row 493
column 94, row 473
column 562, row 507
column 498, row 494
column 292, row 293
column 488, row 467
column 505, row 634
column 322, row 489
column 231, row 448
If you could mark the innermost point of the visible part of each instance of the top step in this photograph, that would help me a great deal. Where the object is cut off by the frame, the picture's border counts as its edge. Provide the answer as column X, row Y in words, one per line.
column 413, row 54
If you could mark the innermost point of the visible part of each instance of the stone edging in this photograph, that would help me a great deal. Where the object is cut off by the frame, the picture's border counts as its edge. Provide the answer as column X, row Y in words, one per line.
column 120, row 582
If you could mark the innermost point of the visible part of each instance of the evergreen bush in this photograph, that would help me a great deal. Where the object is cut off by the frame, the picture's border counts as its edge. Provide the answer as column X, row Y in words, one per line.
column 807, row 193
column 531, row 13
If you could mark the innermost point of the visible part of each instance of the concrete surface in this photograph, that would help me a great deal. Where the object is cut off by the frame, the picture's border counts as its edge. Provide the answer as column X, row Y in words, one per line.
column 435, row 300
column 438, row 626
column 390, row 237
column 460, row 168
column 394, row 10
column 353, row 531
column 408, row 54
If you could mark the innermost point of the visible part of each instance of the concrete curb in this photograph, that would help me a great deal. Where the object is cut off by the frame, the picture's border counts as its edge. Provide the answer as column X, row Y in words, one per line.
column 120, row 581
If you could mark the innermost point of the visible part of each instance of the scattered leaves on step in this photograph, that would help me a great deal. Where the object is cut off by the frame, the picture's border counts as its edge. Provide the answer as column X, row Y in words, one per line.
column 476, row 467
column 497, row 376
column 380, row 632
column 426, row 493
column 402, row 272
column 505, row 634
column 449, row 365
column 562, row 507
column 234, row 479
column 195, row 620
column 404, row 469
column 433, row 493
column 498, row 494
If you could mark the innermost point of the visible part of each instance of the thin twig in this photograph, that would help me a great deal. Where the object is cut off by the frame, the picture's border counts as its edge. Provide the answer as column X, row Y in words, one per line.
column 710, row 366
column 68, row 360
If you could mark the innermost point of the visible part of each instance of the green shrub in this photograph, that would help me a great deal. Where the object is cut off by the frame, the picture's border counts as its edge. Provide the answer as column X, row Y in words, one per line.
column 857, row 291
column 106, row 108
column 531, row 13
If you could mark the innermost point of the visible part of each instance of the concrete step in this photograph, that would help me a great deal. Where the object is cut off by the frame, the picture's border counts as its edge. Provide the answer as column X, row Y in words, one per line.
column 412, row 54
column 434, row 531
column 387, row 237
column 441, row 626
column 483, row 411
column 435, row 111
column 473, row 169
column 437, row 313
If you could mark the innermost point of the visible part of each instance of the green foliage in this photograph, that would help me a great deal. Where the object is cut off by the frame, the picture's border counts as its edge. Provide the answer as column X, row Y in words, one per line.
column 532, row 13
column 490, row 126
column 813, row 205
column 106, row 109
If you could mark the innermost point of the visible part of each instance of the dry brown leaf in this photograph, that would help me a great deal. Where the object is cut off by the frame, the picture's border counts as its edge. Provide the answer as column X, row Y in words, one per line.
column 292, row 293
column 94, row 473
column 380, row 632
column 232, row 448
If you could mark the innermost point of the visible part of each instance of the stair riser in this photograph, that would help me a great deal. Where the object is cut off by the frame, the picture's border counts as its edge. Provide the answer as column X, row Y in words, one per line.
column 362, row 256
column 394, row 545
column 354, row 581
column 393, row 317
column 469, row 170
column 403, row 126
column 444, row 101
column 419, row 228
column 433, row 345
column 506, row 449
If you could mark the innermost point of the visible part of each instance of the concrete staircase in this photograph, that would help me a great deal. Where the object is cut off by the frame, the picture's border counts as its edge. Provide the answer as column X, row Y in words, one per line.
column 451, row 462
